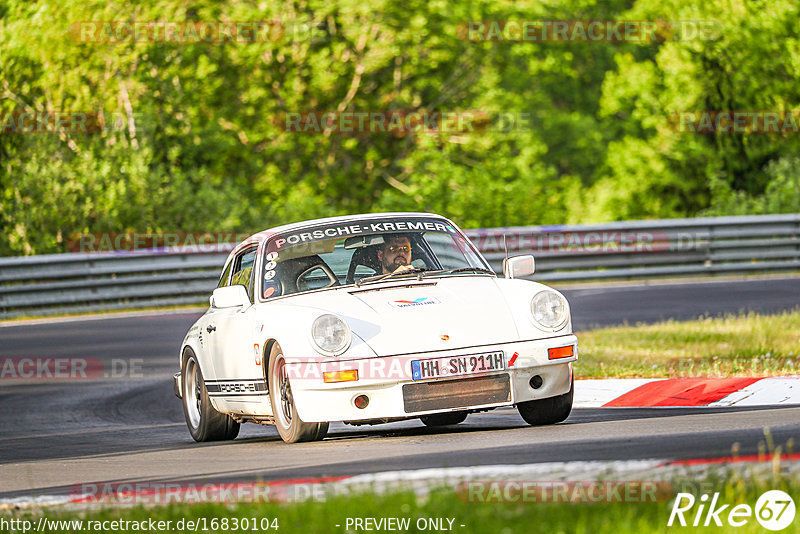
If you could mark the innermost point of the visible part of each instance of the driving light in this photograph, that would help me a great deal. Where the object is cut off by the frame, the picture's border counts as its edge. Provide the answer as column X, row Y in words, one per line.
column 330, row 334
column 549, row 309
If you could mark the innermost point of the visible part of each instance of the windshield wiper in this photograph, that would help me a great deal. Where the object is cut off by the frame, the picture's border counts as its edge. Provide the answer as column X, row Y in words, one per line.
column 471, row 269
column 421, row 272
column 379, row 277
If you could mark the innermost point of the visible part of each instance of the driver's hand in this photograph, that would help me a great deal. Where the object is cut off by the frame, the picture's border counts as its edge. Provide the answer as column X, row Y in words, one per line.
column 404, row 268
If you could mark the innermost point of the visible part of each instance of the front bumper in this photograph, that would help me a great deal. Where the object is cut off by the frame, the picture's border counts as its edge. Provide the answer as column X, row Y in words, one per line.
column 318, row 401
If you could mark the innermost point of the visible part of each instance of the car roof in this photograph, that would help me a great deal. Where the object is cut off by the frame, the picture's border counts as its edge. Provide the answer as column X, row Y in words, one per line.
column 265, row 234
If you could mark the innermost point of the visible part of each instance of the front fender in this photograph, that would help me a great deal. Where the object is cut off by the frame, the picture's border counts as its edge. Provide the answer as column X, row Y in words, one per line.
column 518, row 294
column 290, row 327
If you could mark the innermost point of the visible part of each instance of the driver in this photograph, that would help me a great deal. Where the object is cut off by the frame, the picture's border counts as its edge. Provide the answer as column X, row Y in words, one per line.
column 395, row 254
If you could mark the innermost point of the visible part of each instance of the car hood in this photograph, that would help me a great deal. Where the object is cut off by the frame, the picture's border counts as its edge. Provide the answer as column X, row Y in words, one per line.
column 405, row 317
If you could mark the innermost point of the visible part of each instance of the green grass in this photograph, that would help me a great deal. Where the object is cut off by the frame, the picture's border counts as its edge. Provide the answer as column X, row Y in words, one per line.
column 740, row 345
column 477, row 517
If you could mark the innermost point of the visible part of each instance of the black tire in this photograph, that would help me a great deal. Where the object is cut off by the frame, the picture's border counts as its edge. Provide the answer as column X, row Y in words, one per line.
column 547, row 411
column 204, row 422
column 291, row 428
column 444, row 419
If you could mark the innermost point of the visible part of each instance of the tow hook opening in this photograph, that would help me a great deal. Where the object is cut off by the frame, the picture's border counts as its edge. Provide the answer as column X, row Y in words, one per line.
column 536, row 381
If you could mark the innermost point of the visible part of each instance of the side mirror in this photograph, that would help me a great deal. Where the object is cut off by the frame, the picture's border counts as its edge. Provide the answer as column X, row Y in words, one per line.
column 230, row 297
column 518, row 266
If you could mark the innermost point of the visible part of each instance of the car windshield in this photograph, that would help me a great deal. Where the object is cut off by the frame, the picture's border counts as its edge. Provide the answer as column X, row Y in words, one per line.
column 343, row 253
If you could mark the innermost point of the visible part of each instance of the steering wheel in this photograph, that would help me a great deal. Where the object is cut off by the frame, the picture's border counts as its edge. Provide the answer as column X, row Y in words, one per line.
column 325, row 269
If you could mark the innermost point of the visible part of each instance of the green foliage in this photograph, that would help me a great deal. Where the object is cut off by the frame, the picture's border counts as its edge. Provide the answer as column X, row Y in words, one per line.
column 192, row 139
column 748, row 63
column 781, row 195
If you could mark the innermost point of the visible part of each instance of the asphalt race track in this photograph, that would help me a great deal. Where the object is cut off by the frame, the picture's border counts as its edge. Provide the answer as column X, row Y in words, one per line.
column 56, row 434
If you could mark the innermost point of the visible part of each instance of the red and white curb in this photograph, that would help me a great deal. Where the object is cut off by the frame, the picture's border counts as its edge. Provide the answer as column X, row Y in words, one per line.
column 687, row 392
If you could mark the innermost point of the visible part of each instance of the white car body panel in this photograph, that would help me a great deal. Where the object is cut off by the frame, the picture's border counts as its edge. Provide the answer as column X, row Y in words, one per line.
column 455, row 306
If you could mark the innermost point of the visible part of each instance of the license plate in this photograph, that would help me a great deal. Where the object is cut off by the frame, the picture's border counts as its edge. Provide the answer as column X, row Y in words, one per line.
column 458, row 365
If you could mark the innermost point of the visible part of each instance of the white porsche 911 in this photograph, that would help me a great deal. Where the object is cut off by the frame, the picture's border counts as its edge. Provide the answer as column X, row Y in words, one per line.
column 370, row 319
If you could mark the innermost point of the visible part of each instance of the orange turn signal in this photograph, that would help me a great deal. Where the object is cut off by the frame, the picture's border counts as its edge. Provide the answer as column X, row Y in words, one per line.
column 560, row 352
column 340, row 376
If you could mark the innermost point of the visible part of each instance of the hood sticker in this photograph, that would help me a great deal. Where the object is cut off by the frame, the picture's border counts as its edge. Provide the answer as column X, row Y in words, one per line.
column 416, row 303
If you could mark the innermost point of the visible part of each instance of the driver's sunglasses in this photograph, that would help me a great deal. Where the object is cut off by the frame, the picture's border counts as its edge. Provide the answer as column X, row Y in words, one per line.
column 399, row 248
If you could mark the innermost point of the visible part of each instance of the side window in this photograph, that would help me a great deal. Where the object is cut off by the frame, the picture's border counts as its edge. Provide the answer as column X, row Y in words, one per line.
column 243, row 268
column 223, row 279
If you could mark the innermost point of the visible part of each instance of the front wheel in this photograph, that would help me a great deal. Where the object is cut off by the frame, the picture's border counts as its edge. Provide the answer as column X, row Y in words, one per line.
column 444, row 419
column 291, row 428
column 204, row 422
column 547, row 411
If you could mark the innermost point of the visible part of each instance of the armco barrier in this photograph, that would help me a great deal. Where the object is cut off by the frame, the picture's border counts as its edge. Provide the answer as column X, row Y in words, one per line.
column 64, row 283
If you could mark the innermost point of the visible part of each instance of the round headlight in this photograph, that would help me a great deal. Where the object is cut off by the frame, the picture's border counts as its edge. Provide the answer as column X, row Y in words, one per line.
column 549, row 309
column 330, row 333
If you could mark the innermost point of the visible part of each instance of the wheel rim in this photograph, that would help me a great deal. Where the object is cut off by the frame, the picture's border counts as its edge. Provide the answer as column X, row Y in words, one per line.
column 191, row 395
column 284, row 392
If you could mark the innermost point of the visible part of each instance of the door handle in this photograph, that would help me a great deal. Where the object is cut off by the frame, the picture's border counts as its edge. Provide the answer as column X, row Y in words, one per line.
column 210, row 328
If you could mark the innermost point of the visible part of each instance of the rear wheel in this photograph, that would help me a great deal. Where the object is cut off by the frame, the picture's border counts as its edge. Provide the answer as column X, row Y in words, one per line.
column 204, row 422
column 291, row 428
column 547, row 411
column 444, row 419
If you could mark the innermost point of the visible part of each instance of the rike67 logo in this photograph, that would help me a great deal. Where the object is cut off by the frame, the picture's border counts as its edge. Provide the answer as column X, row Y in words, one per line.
column 774, row 510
